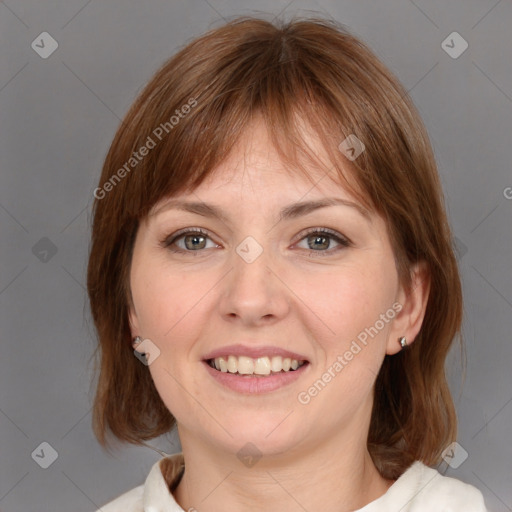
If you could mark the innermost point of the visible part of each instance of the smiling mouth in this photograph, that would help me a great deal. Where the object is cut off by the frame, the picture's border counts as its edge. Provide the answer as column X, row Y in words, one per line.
column 256, row 367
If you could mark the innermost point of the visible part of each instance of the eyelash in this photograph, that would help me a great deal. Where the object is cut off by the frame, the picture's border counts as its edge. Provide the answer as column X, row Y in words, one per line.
column 343, row 241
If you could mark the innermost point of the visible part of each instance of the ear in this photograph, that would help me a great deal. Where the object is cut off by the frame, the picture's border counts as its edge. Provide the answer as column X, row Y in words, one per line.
column 133, row 319
column 413, row 302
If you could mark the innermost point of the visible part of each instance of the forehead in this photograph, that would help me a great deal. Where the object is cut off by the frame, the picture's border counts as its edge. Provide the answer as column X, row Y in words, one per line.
column 255, row 175
column 254, row 167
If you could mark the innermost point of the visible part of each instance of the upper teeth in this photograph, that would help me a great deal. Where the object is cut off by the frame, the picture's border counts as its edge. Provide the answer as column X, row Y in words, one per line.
column 259, row 366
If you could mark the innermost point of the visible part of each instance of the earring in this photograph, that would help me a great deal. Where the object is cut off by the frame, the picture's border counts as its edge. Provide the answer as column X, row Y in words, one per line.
column 403, row 341
column 137, row 340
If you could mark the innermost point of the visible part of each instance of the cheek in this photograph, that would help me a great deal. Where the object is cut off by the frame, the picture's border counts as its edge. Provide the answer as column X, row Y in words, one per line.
column 168, row 309
column 164, row 299
column 350, row 304
column 350, row 300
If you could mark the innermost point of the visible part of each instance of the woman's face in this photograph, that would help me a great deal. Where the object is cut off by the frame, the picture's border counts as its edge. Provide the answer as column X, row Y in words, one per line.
column 318, row 285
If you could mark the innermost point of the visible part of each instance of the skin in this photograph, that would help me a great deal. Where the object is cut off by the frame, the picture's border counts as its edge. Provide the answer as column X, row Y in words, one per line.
column 190, row 303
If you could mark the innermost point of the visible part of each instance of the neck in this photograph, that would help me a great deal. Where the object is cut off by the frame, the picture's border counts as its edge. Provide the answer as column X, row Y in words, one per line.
column 319, row 478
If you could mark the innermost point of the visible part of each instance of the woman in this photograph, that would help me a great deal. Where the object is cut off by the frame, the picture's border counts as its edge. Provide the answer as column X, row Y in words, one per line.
column 270, row 241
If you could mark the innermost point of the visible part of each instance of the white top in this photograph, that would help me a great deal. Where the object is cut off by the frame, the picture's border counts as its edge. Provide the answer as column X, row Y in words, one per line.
column 419, row 489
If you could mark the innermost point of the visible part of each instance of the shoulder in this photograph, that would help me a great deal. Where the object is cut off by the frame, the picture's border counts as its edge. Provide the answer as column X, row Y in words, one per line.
column 429, row 490
column 131, row 501
column 155, row 493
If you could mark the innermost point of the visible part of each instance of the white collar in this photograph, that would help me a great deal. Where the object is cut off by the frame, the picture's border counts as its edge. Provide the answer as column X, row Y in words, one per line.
column 419, row 488
column 161, row 482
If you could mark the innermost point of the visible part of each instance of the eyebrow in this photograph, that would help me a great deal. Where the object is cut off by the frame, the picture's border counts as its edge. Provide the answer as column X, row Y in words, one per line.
column 290, row 211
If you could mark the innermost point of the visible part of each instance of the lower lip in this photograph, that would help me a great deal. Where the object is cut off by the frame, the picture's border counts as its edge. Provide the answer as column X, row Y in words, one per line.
column 255, row 385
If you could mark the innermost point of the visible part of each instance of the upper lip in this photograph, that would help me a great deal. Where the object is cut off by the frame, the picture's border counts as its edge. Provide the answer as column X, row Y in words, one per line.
column 253, row 352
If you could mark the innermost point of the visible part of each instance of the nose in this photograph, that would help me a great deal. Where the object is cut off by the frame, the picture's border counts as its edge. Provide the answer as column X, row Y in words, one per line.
column 253, row 294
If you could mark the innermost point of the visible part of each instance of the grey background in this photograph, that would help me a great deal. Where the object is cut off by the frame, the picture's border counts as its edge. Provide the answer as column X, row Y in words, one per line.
column 58, row 118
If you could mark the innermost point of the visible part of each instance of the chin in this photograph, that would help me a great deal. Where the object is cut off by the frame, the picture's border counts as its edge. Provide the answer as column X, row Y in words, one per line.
column 270, row 434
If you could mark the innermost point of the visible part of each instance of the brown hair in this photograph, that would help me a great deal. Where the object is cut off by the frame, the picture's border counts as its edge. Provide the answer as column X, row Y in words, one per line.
column 188, row 118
